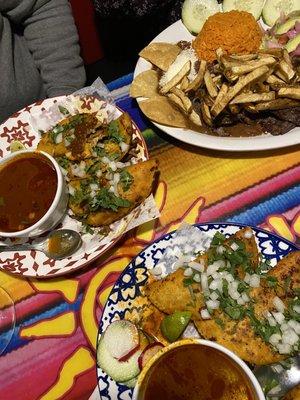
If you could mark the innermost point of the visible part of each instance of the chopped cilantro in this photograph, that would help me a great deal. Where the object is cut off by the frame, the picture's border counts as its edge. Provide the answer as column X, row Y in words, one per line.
column 114, row 132
column 63, row 162
column 55, row 132
column 220, row 322
column 80, row 196
column 218, row 239
column 264, row 266
column 107, row 200
column 63, row 110
column 126, row 179
column 188, row 281
column 272, row 281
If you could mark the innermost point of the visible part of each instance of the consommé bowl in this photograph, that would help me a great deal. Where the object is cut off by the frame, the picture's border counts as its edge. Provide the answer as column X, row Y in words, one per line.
column 196, row 369
column 33, row 194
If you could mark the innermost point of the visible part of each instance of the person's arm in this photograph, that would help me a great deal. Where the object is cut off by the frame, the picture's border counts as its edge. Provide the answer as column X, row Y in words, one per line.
column 52, row 38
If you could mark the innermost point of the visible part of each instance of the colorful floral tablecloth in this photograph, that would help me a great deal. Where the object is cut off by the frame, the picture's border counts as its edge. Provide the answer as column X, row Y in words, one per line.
column 52, row 353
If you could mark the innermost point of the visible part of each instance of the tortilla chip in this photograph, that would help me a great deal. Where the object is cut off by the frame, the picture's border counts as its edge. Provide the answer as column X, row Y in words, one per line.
column 160, row 54
column 161, row 110
column 145, row 84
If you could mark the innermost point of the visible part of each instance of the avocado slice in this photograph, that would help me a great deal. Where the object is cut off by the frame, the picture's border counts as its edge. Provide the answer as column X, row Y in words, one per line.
column 292, row 44
column 286, row 26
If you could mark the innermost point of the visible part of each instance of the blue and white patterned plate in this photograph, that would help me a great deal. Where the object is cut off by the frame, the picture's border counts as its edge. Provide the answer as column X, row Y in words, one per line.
column 135, row 276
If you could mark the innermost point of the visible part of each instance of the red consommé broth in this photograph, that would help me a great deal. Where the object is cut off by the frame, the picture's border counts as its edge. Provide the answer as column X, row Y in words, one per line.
column 28, row 185
column 195, row 372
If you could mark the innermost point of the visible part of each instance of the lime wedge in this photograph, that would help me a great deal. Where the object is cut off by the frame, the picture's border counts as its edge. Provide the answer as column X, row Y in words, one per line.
column 16, row 145
column 173, row 325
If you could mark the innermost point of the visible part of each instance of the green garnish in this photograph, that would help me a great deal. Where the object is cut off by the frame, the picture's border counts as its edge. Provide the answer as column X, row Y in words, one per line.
column 107, row 200
column 188, row 281
column 220, row 322
column 63, row 162
column 218, row 239
column 126, row 179
column 63, row 110
column 272, row 281
column 55, row 132
column 114, row 132
column 173, row 325
column 2, row 201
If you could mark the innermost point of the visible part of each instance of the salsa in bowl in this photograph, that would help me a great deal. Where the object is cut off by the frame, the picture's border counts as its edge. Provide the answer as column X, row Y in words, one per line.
column 33, row 196
column 196, row 369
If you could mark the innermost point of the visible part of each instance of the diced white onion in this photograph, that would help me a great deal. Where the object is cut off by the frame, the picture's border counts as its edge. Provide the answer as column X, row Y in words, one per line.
column 71, row 190
column 120, row 164
column 111, row 189
column 105, row 160
column 284, row 348
column 204, row 282
column 196, row 266
column 98, row 173
column 278, row 303
column 254, row 281
column 284, row 327
column 59, row 138
column 279, row 317
column 229, row 278
column 116, row 177
column 290, row 337
column 211, row 269
column 272, row 321
column 213, row 304
column 124, row 147
column 112, row 166
column 234, row 294
column 245, row 297
column 234, row 246
column 296, row 309
column 197, row 278
column 275, row 339
column 214, row 296
column 240, row 301
column 205, row 314
column 248, row 234
column 220, row 249
column 188, row 272
column 214, row 285
column 247, row 278
column 295, row 325
column 94, row 186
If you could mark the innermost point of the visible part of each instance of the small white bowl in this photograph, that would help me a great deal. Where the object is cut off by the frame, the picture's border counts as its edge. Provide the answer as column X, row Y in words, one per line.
column 138, row 393
column 57, row 209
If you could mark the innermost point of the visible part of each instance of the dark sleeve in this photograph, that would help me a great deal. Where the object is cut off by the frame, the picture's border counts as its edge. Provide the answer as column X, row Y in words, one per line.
column 52, row 38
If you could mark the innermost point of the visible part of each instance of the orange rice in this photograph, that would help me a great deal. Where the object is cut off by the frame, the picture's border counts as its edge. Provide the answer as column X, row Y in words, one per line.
column 236, row 32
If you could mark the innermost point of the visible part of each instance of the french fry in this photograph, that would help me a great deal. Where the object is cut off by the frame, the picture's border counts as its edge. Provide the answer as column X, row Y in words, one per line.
column 221, row 94
column 286, row 70
column 277, row 104
column 196, row 83
column 195, row 118
column 234, row 90
column 253, row 97
column 176, row 100
column 176, row 79
column 187, row 104
column 292, row 92
column 252, row 65
column 210, row 85
column 206, row 113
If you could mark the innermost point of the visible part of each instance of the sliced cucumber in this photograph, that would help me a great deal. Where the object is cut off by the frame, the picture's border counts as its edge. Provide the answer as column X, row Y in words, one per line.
column 195, row 13
column 253, row 7
column 273, row 8
column 284, row 28
column 131, row 383
column 120, row 371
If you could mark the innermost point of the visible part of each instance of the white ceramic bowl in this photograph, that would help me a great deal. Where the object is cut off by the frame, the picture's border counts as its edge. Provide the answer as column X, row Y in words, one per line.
column 57, row 209
column 138, row 393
